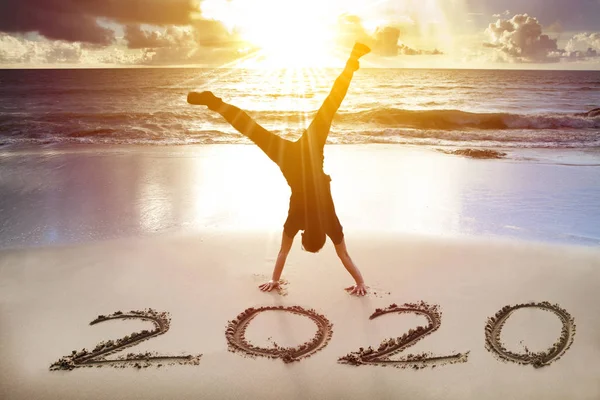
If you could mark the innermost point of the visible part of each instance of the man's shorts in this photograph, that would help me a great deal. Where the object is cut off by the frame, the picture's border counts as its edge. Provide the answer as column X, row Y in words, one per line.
column 300, row 215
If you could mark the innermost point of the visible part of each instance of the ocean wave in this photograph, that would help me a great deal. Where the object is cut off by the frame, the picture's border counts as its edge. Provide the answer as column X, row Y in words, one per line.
column 183, row 135
column 291, row 94
column 458, row 120
column 442, row 119
column 379, row 117
column 88, row 92
column 191, row 125
column 106, row 118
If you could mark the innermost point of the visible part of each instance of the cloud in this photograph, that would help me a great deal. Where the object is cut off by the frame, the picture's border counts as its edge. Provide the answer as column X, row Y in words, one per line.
column 118, row 56
column 186, row 56
column 383, row 42
column 77, row 21
column 351, row 30
column 173, row 36
column 20, row 50
column 506, row 13
column 155, row 32
column 174, row 46
column 583, row 46
column 521, row 39
column 205, row 41
column 589, row 40
column 408, row 51
column 386, row 41
column 556, row 27
column 64, row 53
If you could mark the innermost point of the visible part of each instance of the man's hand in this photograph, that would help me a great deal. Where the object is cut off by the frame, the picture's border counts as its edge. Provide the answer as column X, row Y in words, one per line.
column 267, row 287
column 357, row 290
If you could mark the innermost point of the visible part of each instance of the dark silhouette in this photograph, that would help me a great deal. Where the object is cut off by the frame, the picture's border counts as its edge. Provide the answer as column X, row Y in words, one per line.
column 301, row 162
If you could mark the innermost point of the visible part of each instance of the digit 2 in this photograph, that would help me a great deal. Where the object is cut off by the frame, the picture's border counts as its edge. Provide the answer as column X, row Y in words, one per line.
column 97, row 356
column 392, row 346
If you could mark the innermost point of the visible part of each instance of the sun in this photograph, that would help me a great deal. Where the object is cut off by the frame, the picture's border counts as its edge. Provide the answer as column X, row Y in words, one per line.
column 296, row 34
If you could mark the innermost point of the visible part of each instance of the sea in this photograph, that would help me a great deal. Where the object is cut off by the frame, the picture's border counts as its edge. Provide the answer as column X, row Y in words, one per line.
column 440, row 108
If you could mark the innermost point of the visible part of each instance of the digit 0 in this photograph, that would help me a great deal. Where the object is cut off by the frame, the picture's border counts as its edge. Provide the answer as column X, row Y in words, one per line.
column 493, row 330
column 236, row 329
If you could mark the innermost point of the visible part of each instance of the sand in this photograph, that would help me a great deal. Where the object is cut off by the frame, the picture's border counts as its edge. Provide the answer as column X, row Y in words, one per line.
column 49, row 296
column 162, row 249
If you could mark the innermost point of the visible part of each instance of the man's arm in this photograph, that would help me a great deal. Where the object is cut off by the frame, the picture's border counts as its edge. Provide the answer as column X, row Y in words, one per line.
column 286, row 245
column 359, row 289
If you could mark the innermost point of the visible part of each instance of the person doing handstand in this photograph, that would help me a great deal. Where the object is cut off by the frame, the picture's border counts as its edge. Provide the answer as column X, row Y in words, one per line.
column 311, row 206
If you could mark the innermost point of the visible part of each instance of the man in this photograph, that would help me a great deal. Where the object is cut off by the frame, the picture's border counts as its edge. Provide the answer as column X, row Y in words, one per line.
column 301, row 162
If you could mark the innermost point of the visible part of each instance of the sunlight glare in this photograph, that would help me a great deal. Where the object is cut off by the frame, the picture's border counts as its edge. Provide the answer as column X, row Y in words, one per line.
column 308, row 33
column 294, row 34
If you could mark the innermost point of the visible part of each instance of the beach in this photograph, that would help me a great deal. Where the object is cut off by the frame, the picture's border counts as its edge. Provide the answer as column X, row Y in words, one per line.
column 440, row 160
column 70, row 194
column 192, row 231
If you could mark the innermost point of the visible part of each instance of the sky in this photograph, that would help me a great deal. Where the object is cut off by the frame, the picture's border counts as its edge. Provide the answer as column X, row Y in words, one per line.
column 515, row 34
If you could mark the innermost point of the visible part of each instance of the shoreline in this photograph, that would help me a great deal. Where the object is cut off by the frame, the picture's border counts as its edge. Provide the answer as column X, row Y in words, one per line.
column 78, row 194
column 516, row 154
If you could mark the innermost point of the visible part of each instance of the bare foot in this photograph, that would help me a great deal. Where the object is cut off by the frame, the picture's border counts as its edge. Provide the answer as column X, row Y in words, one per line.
column 357, row 290
column 267, row 287
column 359, row 50
column 201, row 99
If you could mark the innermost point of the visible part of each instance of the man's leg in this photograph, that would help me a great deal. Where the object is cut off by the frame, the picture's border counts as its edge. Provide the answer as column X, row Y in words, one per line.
column 270, row 143
column 319, row 129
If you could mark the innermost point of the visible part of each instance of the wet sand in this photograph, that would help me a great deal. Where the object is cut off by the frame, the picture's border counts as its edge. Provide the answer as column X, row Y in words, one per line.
column 81, row 194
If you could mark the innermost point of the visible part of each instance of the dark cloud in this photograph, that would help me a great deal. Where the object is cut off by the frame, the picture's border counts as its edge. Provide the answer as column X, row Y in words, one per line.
column 204, row 41
column 384, row 42
column 73, row 20
column 202, row 32
column 521, row 39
